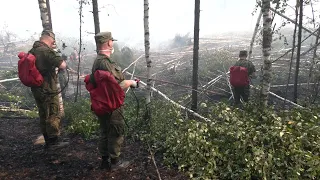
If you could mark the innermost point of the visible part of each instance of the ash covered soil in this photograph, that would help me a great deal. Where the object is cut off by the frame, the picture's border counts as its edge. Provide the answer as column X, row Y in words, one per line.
column 21, row 159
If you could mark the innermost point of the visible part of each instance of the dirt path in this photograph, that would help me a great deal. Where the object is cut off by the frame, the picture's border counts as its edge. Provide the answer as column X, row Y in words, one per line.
column 21, row 159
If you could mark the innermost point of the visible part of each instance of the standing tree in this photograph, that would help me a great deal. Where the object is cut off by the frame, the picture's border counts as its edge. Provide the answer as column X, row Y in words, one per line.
column 292, row 51
column 295, row 88
column 81, row 2
column 194, row 105
column 44, row 6
column 254, row 34
column 95, row 12
column 266, row 48
column 313, row 62
column 147, row 56
column 45, row 14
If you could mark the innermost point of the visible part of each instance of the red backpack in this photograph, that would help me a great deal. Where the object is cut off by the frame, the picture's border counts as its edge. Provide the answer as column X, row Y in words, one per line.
column 239, row 76
column 105, row 93
column 27, row 70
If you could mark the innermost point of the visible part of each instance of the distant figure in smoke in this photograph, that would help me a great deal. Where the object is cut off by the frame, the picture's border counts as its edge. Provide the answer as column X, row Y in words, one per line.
column 240, row 76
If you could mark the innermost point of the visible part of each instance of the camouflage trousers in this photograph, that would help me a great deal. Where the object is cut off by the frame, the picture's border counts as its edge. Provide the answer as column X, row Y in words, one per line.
column 241, row 92
column 48, row 108
column 111, row 134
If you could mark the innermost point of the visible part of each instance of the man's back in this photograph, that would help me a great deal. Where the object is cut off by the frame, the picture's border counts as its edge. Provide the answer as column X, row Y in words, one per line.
column 247, row 64
column 102, row 62
column 46, row 62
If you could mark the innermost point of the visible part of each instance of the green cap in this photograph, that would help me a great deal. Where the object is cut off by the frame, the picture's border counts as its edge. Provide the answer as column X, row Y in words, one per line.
column 243, row 53
column 48, row 33
column 103, row 37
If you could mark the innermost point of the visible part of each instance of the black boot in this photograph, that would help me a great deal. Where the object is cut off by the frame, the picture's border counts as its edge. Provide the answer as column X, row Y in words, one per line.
column 117, row 164
column 105, row 163
column 54, row 143
column 45, row 136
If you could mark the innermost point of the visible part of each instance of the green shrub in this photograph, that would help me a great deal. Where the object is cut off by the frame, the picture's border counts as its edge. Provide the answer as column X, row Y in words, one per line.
column 20, row 102
column 248, row 144
column 81, row 119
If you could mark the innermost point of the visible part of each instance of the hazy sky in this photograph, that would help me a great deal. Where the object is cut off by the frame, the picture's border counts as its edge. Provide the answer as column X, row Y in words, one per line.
column 125, row 20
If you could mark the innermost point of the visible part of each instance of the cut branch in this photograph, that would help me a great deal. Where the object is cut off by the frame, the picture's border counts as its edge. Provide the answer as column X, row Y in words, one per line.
column 287, row 18
column 254, row 34
column 297, row 46
column 134, row 62
column 176, row 104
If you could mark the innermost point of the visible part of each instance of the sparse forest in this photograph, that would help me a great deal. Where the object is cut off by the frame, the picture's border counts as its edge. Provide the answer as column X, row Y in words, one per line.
column 181, row 123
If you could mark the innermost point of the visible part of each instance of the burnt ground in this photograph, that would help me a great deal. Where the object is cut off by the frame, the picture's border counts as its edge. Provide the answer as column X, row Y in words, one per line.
column 21, row 159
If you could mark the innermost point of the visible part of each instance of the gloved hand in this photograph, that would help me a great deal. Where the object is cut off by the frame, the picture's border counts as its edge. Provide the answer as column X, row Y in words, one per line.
column 135, row 83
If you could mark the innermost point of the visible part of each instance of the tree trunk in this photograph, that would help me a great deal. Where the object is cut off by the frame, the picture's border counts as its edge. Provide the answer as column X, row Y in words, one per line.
column 95, row 11
column 292, row 52
column 49, row 12
column 266, row 48
column 295, row 88
column 254, row 34
column 312, row 65
column 79, row 52
column 45, row 12
column 45, row 16
column 194, row 105
column 147, row 56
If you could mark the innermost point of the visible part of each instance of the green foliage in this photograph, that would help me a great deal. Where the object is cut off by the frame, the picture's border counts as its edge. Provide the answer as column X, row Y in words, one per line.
column 216, row 61
column 18, row 102
column 122, row 56
column 181, row 40
column 32, row 114
column 238, row 144
column 250, row 143
column 211, row 63
column 81, row 119
column 5, row 96
column 10, row 74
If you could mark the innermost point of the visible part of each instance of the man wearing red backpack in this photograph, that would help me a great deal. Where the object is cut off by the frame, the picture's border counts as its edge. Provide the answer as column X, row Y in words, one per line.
column 240, row 75
column 111, row 123
column 46, row 95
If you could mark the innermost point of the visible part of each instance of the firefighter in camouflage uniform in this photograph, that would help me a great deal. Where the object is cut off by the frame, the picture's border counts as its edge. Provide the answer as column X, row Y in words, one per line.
column 46, row 96
column 244, row 92
column 111, row 124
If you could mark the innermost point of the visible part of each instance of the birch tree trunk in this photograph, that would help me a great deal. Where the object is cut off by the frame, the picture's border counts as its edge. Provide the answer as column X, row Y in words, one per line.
column 295, row 88
column 45, row 16
column 147, row 56
column 254, row 34
column 194, row 105
column 266, row 49
column 44, row 6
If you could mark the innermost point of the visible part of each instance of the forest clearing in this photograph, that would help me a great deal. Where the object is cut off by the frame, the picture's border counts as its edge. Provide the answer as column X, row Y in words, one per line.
column 181, row 117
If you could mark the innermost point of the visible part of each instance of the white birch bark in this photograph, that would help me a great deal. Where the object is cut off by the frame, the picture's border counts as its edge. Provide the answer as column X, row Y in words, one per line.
column 44, row 13
column 266, row 49
column 147, row 49
column 47, row 25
